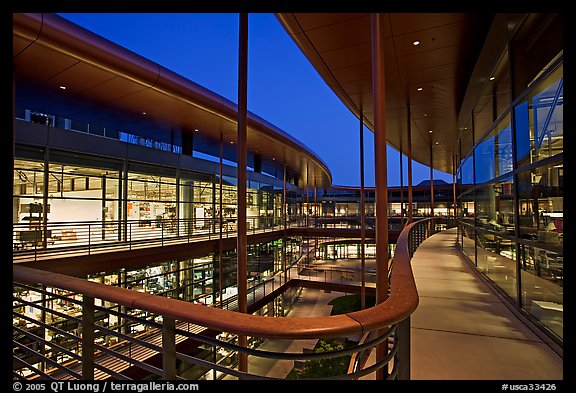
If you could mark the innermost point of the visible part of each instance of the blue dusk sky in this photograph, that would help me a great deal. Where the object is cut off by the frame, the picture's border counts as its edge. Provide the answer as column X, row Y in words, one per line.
column 283, row 87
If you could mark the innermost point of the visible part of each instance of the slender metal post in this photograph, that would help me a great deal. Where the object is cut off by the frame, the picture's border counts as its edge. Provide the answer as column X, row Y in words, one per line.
column 362, row 217
column 409, row 127
column 241, row 191
column 168, row 348
column 380, row 161
column 221, row 222
column 404, row 349
column 285, row 217
column 87, row 338
column 315, row 206
column 401, row 185
column 431, row 182
column 380, row 155
column 307, row 211
column 44, row 229
column 454, row 185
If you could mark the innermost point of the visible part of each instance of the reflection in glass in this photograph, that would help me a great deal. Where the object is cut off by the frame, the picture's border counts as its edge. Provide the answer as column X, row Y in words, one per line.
column 541, row 203
column 497, row 259
column 540, row 121
column 542, row 285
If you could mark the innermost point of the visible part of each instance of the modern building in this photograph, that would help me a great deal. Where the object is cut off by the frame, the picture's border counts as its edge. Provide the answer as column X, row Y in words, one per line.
column 139, row 198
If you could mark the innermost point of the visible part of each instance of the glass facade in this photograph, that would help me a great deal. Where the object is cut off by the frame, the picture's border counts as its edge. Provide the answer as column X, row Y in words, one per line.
column 514, row 234
column 65, row 199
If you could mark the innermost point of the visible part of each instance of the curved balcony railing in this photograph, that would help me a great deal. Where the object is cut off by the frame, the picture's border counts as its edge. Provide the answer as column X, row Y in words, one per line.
column 110, row 329
column 32, row 240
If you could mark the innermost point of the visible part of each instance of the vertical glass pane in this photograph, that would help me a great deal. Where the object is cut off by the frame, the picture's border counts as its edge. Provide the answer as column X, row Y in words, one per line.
column 541, row 203
column 502, row 85
column 468, row 242
column 497, row 260
column 484, row 158
column 503, row 147
column 484, row 112
column 543, row 286
column 522, row 119
column 468, row 171
column 540, row 121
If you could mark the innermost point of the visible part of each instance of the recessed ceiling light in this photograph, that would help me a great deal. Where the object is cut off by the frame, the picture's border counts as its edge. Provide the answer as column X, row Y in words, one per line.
column 143, row 113
column 232, row 142
column 273, row 158
column 416, row 43
column 436, row 142
column 419, row 89
column 63, row 87
column 195, row 129
column 492, row 78
column 430, row 131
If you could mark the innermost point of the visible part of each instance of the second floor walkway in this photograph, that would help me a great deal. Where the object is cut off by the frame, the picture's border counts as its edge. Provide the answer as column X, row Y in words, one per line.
column 461, row 330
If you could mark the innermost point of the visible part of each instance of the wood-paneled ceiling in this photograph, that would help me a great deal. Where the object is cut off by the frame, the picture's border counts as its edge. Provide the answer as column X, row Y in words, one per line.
column 430, row 78
column 111, row 86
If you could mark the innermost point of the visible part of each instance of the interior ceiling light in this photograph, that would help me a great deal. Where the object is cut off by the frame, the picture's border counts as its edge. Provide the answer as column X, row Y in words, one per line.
column 63, row 87
column 436, row 142
column 492, row 78
column 419, row 89
column 415, row 43
column 430, row 131
column 143, row 113
column 195, row 129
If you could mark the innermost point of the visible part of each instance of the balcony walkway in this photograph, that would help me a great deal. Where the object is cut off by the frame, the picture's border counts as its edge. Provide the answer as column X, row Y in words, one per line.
column 461, row 329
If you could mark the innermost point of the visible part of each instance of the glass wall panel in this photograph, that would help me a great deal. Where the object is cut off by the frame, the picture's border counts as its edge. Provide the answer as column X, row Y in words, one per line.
column 495, row 206
column 28, row 189
column 484, row 158
column 541, row 203
column 502, row 85
column 503, row 147
column 151, row 202
column 540, row 121
column 484, row 114
column 468, row 245
column 497, row 260
column 468, row 171
column 543, row 286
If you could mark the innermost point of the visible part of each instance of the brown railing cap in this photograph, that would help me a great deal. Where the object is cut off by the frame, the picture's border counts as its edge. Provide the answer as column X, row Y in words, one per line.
column 402, row 301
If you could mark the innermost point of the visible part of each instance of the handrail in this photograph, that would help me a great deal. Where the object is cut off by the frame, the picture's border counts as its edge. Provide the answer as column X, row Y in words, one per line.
column 402, row 301
column 389, row 320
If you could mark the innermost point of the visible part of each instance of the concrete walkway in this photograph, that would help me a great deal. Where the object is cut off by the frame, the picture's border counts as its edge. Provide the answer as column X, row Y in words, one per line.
column 462, row 331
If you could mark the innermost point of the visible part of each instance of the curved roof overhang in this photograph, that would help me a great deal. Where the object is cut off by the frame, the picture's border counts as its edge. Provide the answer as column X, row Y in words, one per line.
column 339, row 46
column 109, row 85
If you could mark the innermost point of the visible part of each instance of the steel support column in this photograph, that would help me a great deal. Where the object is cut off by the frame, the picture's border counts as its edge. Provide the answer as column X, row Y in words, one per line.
column 241, row 190
column 362, row 217
column 285, row 219
column 221, row 221
column 315, row 205
column 88, row 337
column 168, row 348
column 401, row 185
column 380, row 162
column 454, row 185
column 431, row 182
column 409, row 156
